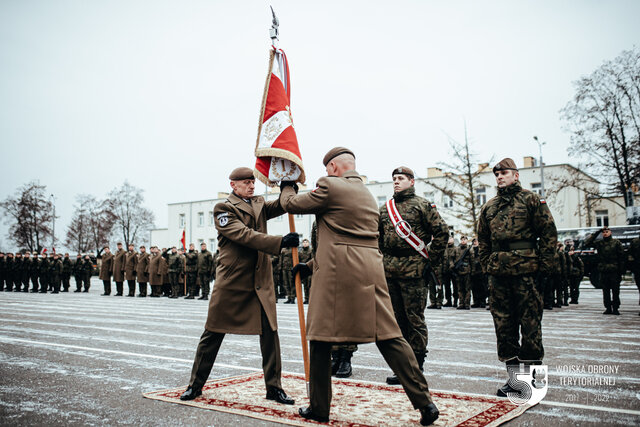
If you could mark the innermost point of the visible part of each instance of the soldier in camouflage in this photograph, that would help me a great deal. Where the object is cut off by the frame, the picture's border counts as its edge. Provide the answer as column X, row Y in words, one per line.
column 191, row 271
column 176, row 268
column 18, row 266
column 517, row 237
column 77, row 272
column 576, row 275
column 43, row 272
column 3, row 270
column 559, row 276
column 304, row 255
column 87, row 272
column 447, row 278
column 286, row 264
column 55, row 271
column 462, row 269
column 478, row 278
column 26, row 271
column 67, row 267
column 205, row 270
column 610, row 259
column 405, row 269
column 8, row 272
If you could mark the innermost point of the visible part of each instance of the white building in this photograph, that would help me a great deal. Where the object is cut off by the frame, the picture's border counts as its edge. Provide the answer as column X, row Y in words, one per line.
column 567, row 206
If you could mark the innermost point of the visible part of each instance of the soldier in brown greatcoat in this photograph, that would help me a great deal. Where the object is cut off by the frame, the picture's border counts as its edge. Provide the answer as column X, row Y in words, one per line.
column 243, row 300
column 155, row 272
column 118, row 269
column 349, row 301
column 106, row 267
column 130, row 265
column 142, row 271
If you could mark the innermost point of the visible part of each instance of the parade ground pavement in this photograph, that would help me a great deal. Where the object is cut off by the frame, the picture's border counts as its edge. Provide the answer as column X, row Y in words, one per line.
column 86, row 359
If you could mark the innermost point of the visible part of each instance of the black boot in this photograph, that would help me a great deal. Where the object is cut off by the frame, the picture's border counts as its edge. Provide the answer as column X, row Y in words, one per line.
column 335, row 361
column 506, row 388
column 344, row 368
column 429, row 414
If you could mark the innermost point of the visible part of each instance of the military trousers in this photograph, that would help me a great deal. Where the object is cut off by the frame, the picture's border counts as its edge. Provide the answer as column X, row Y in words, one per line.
column 288, row 283
column 204, row 283
column 306, row 286
column 396, row 352
column 447, row 282
column 25, row 283
column 436, row 291
column 574, row 283
column 174, row 279
column 191, row 278
column 464, row 289
column 516, row 307
column 610, row 289
column 119, row 288
column 107, row 287
column 131, row 284
column 209, row 346
column 479, row 289
column 44, row 283
column 78, row 279
column 142, row 289
column 409, row 300
column 66, row 278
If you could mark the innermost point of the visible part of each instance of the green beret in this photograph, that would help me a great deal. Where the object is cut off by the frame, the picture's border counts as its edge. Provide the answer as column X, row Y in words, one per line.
column 505, row 164
column 335, row 152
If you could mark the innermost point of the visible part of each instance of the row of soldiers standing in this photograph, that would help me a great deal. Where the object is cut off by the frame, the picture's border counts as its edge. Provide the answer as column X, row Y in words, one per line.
column 283, row 281
column 44, row 273
column 169, row 272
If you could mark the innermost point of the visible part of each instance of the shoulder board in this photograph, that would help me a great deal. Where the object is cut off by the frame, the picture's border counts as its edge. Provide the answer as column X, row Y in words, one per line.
column 433, row 205
column 543, row 201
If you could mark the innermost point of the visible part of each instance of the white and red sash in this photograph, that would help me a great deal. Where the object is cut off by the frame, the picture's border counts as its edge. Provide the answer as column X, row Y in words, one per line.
column 403, row 229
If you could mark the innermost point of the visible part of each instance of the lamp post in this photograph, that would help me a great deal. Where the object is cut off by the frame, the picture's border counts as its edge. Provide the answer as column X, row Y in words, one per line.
column 540, row 144
column 53, row 238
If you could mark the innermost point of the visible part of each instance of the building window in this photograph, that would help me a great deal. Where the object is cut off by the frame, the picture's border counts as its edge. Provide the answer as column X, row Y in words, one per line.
column 536, row 187
column 200, row 241
column 181, row 220
column 481, row 196
column 212, row 245
column 602, row 218
column 200, row 219
column 429, row 195
column 447, row 201
column 278, row 218
column 211, row 218
column 299, row 216
column 382, row 200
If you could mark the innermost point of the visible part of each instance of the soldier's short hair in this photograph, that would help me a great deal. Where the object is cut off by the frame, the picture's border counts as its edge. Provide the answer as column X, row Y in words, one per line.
column 142, row 247
column 464, row 237
column 119, row 244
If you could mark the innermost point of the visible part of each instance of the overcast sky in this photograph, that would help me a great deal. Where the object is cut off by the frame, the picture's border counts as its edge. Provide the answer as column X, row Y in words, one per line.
column 166, row 94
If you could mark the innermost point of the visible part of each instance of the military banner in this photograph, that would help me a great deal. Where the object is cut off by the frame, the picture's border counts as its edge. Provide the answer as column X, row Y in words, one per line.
column 277, row 153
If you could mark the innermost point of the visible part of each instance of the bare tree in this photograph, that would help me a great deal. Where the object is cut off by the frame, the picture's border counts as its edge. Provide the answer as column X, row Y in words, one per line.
column 29, row 216
column 604, row 121
column 132, row 221
column 461, row 182
column 78, row 232
column 91, row 225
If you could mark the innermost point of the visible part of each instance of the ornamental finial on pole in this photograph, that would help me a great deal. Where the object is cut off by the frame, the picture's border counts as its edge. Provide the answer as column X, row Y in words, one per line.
column 273, row 31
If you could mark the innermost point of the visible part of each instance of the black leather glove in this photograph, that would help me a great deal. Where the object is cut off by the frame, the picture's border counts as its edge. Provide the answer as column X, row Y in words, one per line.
column 301, row 268
column 284, row 184
column 291, row 240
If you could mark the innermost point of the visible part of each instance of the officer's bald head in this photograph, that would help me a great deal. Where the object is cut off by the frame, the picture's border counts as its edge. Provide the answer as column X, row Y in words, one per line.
column 341, row 164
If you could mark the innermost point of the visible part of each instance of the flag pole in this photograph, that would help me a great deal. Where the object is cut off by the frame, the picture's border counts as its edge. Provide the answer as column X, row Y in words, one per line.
column 299, row 300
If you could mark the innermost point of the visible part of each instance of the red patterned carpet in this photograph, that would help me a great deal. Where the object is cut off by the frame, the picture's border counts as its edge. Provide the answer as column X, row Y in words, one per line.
column 354, row 403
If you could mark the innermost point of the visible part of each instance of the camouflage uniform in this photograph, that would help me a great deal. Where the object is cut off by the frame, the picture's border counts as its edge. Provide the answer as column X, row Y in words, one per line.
column 35, row 268
column 205, row 271
column 55, row 271
column 575, row 277
column 611, row 266
column 191, row 272
column 568, row 266
column 304, row 255
column 558, row 277
column 176, row 268
column 87, row 272
column 67, row 267
column 462, row 268
column 18, row 266
column 26, row 272
column 478, row 280
column 508, row 228
column 447, row 279
column 8, row 271
column 43, row 271
column 405, row 268
column 77, row 273
column 286, row 264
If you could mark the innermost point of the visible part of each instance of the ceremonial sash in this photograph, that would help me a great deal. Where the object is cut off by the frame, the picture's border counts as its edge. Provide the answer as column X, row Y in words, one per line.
column 403, row 229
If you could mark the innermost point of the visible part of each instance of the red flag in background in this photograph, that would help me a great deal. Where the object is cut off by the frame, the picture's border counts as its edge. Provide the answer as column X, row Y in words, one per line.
column 184, row 239
column 277, row 153
column 44, row 251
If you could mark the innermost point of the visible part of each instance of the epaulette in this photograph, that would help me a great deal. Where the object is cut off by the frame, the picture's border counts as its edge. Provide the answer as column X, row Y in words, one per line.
column 543, row 201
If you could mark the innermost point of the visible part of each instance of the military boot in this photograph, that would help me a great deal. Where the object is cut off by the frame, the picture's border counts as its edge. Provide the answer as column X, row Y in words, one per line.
column 344, row 367
column 506, row 388
column 335, row 361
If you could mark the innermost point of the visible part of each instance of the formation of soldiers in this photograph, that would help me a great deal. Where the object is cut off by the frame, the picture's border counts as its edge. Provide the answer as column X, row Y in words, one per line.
column 43, row 273
column 170, row 272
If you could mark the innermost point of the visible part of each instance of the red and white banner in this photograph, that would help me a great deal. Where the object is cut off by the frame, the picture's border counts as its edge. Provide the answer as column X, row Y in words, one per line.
column 277, row 153
column 403, row 229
